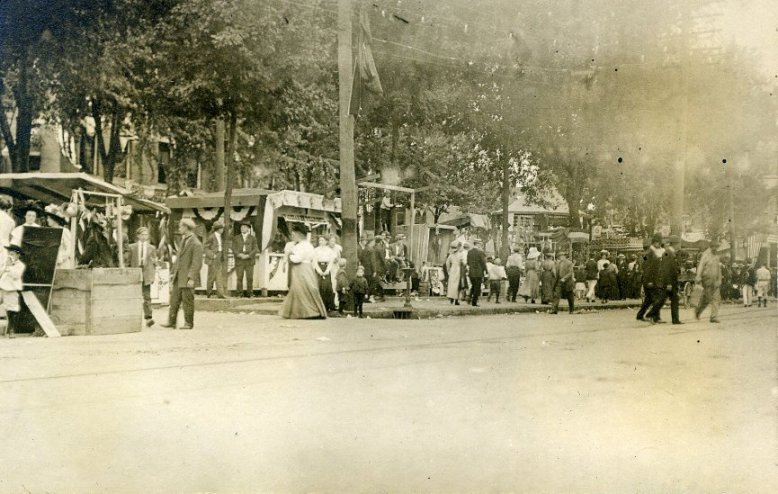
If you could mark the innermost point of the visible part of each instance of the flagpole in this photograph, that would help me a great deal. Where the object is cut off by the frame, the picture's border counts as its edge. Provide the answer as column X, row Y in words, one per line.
column 348, row 185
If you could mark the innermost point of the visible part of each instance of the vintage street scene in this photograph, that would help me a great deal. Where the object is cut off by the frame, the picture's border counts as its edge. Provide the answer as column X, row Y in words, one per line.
column 338, row 246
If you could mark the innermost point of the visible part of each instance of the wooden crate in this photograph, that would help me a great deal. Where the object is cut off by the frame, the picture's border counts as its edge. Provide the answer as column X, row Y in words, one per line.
column 97, row 301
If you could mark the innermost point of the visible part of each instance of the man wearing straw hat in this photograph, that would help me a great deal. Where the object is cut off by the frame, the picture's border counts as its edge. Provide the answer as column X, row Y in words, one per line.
column 144, row 256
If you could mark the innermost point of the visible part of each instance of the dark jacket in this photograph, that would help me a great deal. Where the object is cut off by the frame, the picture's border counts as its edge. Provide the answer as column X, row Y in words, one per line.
column 341, row 280
column 249, row 247
column 359, row 285
column 188, row 263
column 378, row 259
column 211, row 247
column 669, row 269
column 476, row 263
column 591, row 269
column 651, row 271
column 365, row 256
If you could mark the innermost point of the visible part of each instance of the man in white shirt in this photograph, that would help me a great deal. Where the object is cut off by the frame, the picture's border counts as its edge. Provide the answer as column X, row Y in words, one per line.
column 30, row 221
column 143, row 255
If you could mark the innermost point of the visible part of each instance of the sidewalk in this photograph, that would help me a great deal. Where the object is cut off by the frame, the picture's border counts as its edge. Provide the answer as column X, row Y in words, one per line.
column 421, row 308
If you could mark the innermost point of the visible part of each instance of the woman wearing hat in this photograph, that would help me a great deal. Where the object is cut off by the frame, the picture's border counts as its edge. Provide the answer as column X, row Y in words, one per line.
column 548, row 278
column 455, row 268
column 56, row 219
column 30, row 221
column 303, row 300
column 11, row 273
column 530, row 288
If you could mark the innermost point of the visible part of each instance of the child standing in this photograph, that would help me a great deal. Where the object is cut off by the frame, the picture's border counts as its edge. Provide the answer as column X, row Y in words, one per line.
column 341, row 284
column 10, row 285
column 496, row 274
column 358, row 290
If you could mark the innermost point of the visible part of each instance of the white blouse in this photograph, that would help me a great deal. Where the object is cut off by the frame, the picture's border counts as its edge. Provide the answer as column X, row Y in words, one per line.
column 302, row 252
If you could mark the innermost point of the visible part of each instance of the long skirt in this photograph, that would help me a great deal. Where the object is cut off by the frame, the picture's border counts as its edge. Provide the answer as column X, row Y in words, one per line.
column 529, row 287
column 325, row 289
column 303, row 300
column 548, row 280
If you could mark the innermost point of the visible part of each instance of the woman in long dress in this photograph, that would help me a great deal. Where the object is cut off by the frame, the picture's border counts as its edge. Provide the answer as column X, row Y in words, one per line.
column 325, row 258
column 529, row 289
column 455, row 267
column 303, row 300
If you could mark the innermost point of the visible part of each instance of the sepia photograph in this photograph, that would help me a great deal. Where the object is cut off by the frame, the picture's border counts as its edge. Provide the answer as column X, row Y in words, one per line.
column 388, row 246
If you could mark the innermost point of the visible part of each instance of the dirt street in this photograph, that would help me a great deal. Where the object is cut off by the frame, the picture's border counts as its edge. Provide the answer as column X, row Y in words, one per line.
column 593, row 402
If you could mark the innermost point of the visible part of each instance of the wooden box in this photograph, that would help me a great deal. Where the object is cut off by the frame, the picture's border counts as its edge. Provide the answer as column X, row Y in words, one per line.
column 97, row 301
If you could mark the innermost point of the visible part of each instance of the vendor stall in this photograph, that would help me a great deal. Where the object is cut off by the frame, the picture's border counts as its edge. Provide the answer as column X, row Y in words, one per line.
column 101, row 295
column 269, row 213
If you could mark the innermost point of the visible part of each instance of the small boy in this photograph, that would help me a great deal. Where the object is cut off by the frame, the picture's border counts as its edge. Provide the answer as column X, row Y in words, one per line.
column 496, row 274
column 358, row 289
column 341, row 284
column 10, row 285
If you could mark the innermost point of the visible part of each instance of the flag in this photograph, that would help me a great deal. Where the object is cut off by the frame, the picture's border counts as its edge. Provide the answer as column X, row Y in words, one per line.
column 365, row 73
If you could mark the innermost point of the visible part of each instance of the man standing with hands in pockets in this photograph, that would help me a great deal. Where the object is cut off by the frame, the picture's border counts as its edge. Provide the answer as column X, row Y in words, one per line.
column 185, row 276
column 144, row 256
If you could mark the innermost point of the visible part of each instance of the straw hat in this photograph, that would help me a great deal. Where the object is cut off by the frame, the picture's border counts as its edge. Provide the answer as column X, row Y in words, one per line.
column 533, row 253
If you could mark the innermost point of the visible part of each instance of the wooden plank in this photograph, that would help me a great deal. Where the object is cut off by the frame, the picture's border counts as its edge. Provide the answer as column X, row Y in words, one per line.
column 111, row 308
column 118, row 292
column 40, row 314
column 116, row 276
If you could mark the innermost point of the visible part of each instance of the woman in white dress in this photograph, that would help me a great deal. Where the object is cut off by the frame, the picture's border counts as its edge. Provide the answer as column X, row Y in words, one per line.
column 303, row 300
column 455, row 269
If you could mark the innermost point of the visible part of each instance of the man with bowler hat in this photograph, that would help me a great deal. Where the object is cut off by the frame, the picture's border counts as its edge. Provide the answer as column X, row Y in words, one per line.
column 652, row 280
column 244, row 246
column 185, row 275
column 144, row 256
column 476, row 267
column 669, row 273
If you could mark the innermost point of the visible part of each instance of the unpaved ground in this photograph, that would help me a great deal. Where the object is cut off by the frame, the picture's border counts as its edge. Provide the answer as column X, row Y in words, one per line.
column 525, row 403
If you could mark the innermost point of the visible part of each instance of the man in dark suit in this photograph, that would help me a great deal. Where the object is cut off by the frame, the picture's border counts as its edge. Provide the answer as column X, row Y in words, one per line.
column 476, row 267
column 244, row 246
column 185, row 275
column 214, row 252
column 652, row 281
column 144, row 256
column 378, row 261
column 669, row 270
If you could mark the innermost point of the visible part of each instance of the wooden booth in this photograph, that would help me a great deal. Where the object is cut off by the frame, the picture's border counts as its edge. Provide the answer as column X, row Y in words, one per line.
column 269, row 213
column 98, row 295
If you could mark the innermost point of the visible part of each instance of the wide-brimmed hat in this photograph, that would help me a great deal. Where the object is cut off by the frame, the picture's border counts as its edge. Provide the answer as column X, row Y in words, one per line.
column 454, row 244
column 533, row 253
column 14, row 248
column 141, row 231
column 217, row 225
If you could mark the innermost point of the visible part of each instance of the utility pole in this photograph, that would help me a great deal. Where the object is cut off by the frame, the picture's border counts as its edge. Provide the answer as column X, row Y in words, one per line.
column 732, row 236
column 679, row 172
column 348, row 184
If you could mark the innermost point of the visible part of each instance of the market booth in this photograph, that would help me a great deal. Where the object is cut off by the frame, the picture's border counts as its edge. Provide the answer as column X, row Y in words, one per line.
column 96, row 294
column 269, row 213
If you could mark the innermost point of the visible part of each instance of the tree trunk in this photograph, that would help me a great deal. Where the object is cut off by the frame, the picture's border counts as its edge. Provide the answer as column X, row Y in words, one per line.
column 24, row 103
column 504, row 217
column 573, row 200
column 228, row 186
column 5, row 129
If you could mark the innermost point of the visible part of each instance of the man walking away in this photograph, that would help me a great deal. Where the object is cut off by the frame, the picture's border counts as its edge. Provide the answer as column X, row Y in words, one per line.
column 185, row 276
column 669, row 272
column 591, row 279
column 144, row 256
column 496, row 275
column 709, row 276
column 214, row 258
column 565, row 285
column 476, row 266
column 513, row 268
column 652, row 282
column 762, row 284
column 245, row 248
